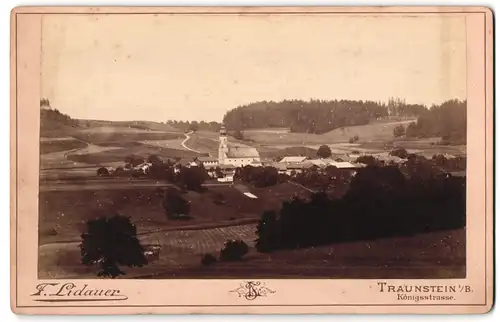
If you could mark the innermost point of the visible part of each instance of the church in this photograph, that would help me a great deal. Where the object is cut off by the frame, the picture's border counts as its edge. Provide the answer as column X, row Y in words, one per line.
column 237, row 156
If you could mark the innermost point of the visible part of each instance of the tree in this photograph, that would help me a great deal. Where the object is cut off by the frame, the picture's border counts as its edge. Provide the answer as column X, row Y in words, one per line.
column 155, row 160
column 44, row 102
column 208, row 259
column 218, row 172
column 176, row 207
column 400, row 153
column 102, row 172
column 193, row 126
column 233, row 250
column 192, row 178
column 369, row 160
column 238, row 135
column 399, row 131
column 324, row 151
column 267, row 232
column 111, row 242
column 134, row 160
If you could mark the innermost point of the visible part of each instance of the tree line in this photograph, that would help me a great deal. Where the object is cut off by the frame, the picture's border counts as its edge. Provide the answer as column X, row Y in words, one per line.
column 380, row 202
column 195, row 125
column 448, row 121
column 314, row 116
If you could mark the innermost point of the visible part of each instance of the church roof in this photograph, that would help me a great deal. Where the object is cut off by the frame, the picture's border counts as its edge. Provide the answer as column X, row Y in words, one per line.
column 242, row 152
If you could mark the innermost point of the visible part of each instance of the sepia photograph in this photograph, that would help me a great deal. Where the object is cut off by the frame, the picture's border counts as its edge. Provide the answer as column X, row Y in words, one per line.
column 248, row 149
column 253, row 146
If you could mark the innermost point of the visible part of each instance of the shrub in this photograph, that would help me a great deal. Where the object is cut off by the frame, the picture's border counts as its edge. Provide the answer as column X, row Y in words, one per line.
column 208, row 259
column 233, row 250
column 102, row 172
column 399, row 131
column 354, row 139
column 400, row 153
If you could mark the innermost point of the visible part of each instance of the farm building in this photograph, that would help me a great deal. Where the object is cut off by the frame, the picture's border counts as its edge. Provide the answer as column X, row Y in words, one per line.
column 208, row 162
column 238, row 156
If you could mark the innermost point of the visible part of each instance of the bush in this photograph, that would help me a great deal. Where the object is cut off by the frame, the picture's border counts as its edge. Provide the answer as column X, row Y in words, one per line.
column 176, row 207
column 208, row 259
column 110, row 242
column 399, row 131
column 233, row 250
column 102, row 172
column 354, row 139
column 400, row 153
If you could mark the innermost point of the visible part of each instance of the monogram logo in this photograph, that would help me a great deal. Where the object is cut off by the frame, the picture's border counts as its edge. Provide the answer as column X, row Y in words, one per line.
column 252, row 290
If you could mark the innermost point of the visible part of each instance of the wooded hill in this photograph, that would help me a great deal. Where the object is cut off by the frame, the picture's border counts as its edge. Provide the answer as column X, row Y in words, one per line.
column 447, row 120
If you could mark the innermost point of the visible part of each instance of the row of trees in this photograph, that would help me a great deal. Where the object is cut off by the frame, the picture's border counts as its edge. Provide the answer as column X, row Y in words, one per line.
column 380, row 202
column 195, row 125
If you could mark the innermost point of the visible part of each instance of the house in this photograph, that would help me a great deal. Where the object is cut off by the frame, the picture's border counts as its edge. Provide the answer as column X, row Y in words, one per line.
column 292, row 168
column 208, row 162
column 238, row 156
column 293, row 159
column 281, row 167
column 228, row 178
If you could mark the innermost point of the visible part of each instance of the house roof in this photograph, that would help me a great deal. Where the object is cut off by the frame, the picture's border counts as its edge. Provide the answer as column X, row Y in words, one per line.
column 291, row 159
column 317, row 162
column 278, row 165
column 242, row 152
column 342, row 165
column 208, row 159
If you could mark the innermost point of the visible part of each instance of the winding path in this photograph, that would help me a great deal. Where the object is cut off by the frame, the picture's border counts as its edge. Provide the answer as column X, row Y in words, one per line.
column 183, row 143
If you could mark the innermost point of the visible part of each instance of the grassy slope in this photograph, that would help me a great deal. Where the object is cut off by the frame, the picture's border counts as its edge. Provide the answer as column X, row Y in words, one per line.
column 375, row 131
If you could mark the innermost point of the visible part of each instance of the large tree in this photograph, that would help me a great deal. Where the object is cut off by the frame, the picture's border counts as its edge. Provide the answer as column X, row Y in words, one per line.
column 324, row 151
column 111, row 242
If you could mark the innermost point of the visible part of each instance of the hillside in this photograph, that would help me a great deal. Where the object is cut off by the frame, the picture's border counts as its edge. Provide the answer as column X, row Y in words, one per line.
column 315, row 116
column 447, row 120
column 56, row 124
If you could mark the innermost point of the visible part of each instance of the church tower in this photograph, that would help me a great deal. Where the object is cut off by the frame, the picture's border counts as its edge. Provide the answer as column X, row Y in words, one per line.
column 223, row 149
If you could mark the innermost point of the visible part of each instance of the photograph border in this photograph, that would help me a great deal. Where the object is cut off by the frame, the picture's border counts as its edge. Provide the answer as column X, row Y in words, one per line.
column 488, row 98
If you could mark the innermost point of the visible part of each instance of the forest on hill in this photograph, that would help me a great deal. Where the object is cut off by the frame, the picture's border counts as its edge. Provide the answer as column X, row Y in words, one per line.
column 315, row 116
column 53, row 122
column 447, row 120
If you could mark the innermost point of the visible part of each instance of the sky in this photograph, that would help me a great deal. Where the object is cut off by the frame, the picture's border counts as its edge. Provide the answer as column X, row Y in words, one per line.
column 187, row 67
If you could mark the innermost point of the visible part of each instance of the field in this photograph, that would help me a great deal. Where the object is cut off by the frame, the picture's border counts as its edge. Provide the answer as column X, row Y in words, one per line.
column 371, row 132
column 67, row 211
column 107, row 143
column 432, row 255
column 51, row 146
column 119, row 154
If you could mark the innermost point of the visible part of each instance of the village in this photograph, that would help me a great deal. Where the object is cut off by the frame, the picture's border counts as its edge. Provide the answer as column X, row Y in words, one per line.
column 232, row 157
